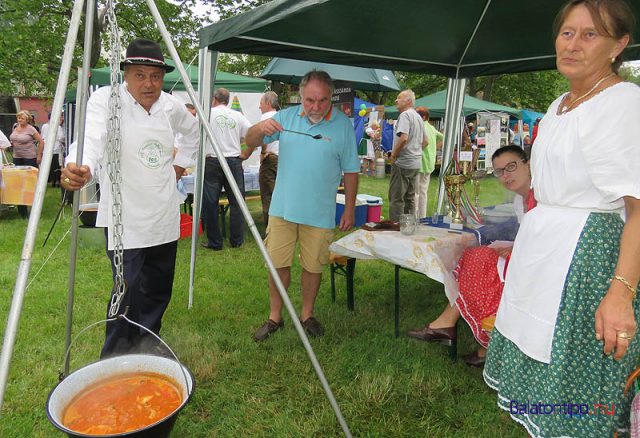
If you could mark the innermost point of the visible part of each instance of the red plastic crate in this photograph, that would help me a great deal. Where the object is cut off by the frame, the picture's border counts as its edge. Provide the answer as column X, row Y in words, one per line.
column 186, row 222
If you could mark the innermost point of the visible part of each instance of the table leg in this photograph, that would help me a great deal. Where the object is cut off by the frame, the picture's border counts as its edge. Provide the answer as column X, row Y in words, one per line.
column 351, row 268
column 453, row 348
column 397, row 301
column 332, row 269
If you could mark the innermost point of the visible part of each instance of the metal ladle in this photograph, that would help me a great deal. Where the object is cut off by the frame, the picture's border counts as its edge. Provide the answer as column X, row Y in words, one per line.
column 315, row 137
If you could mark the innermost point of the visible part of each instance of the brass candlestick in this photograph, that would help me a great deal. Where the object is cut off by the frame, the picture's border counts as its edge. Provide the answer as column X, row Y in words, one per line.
column 455, row 186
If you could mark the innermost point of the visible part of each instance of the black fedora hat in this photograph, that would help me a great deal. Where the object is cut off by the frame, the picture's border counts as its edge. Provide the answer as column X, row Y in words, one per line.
column 145, row 52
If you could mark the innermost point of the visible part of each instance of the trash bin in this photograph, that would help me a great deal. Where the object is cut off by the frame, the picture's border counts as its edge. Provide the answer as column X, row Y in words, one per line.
column 380, row 168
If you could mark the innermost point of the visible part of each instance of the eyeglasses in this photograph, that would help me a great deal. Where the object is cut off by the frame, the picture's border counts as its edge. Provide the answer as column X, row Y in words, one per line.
column 510, row 167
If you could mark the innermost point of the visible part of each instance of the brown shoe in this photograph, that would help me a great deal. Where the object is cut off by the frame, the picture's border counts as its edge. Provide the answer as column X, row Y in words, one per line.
column 267, row 329
column 313, row 327
column 446, row 336
column 473, row 359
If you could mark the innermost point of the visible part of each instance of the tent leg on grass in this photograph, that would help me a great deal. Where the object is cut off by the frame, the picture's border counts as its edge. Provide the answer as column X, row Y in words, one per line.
column 36, row 209
column 83, row 84
column 455, row 100
column 247, row 216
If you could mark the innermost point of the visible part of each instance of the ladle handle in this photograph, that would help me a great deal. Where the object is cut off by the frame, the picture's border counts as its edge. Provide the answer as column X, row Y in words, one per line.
column 62, row 375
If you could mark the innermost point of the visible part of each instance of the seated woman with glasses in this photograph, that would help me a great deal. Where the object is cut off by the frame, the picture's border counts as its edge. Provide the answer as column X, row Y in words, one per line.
column 480, row 271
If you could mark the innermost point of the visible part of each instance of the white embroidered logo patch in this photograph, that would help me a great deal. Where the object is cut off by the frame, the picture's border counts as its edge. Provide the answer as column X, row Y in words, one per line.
column 150, row 153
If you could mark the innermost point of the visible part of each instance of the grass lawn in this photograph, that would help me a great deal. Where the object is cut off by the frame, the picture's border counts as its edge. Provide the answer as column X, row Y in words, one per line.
column 386, row 387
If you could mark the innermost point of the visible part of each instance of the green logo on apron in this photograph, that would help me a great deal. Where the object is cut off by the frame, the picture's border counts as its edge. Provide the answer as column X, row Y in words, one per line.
column 150, row 153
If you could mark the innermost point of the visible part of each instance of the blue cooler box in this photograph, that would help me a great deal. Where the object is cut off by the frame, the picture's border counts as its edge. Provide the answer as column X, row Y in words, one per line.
column 360, row 214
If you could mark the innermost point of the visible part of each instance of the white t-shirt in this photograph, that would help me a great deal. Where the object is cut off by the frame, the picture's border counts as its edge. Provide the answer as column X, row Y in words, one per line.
column 274, row 146
column 228, row 126
column 410, row 123
column 58, row 146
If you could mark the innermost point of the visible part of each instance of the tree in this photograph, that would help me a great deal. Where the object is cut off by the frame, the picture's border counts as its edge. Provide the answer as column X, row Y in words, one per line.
column 34, row 34
column 630, row 73
column 249, row 65
column 532, row 90
column 420, row 83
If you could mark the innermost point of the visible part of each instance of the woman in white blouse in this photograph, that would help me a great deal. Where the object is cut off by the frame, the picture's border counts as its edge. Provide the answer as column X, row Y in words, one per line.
column 564, row 338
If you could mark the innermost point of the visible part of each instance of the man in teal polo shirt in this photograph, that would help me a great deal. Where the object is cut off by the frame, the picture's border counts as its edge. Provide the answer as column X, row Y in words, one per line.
column 317, row 145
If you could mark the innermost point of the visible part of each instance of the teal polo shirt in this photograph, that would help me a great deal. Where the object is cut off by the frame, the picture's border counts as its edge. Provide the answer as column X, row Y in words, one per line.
column 309, row 170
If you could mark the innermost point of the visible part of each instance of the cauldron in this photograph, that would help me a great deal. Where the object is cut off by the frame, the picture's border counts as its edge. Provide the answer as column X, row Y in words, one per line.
column 88, row 214
column 62, row 395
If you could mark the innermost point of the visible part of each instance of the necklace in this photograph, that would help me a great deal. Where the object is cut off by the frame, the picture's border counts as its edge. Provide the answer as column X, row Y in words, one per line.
column 566, row 108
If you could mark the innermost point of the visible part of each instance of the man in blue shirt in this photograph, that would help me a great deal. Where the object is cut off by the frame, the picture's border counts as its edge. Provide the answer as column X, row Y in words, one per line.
column 317, row 145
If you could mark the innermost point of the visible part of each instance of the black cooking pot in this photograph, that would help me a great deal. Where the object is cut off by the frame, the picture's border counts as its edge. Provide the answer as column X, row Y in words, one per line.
column 76, row 382
column 88, row 214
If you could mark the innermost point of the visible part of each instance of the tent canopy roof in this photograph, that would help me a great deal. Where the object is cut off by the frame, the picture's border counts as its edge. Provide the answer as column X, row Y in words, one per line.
column 291, row 71
column 173, row 81
column 437, row 103
column 464, row 38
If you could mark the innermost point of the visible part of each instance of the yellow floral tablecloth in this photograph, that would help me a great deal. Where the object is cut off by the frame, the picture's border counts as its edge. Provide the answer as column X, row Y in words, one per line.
column 431, row 251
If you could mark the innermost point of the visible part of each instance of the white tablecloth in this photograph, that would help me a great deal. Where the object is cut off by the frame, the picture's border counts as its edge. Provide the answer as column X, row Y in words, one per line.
column 431, row 251
column 250, row 180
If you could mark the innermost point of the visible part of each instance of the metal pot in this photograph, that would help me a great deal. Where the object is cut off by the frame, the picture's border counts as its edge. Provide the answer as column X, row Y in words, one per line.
column 88, row 214
column 76, row 382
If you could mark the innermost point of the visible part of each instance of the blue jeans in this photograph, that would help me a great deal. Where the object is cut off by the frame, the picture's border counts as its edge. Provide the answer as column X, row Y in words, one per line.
column 214, row 181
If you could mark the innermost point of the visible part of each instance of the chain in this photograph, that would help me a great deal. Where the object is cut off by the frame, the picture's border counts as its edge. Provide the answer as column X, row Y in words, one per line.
column 113, row 155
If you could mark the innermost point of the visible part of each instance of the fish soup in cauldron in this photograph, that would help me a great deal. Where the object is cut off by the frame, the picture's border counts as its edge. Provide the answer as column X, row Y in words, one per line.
column 122, row 403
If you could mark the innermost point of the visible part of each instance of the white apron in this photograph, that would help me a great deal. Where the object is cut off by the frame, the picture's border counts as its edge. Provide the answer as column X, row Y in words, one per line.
column 150, row 199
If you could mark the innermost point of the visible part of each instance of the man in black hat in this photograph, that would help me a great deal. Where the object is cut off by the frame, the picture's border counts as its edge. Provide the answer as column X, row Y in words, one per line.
column 149, row 120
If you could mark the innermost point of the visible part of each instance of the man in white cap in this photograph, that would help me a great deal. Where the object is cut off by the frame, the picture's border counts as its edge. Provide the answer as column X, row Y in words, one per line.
column 149, row 120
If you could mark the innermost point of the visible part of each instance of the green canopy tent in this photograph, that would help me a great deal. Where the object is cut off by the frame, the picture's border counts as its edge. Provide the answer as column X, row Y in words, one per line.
column 459, row 39
column 437, row 103
column 463, row 38
column 291, row 71
column 172, row 81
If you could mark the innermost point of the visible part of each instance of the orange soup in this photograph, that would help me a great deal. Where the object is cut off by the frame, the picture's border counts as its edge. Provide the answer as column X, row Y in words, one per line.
column 122, row 403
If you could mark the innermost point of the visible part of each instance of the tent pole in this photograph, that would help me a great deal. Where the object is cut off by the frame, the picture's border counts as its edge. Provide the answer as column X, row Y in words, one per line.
column 81, row 99
column 207, row 64
column 36, row 209
column 247, row 215
column 455, row 102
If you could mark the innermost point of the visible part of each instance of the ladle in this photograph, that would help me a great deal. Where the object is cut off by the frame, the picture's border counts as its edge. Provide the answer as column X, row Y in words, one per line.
column 315, row 137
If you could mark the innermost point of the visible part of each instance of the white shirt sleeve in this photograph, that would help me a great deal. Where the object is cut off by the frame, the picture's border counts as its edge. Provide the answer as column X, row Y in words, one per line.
column 183, row 122
column 95, row 136
column 610, row 144
column 4, row 141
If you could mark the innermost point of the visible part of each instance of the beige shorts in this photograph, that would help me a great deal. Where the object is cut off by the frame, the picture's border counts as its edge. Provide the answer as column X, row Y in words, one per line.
column 281, row 241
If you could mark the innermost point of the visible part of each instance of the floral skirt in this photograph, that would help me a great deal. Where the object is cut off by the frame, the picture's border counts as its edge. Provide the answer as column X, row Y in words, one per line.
column 580, row 392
